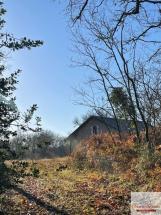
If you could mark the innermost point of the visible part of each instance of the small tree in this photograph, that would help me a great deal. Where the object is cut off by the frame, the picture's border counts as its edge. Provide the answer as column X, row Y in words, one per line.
column 121, row 102
column 10, row 117
column 124, row 107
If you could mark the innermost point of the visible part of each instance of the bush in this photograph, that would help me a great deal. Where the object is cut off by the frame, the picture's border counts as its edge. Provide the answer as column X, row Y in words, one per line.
column 102, row 151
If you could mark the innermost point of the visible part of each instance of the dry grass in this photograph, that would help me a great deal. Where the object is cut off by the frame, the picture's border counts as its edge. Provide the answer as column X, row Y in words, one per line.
column 86, row 191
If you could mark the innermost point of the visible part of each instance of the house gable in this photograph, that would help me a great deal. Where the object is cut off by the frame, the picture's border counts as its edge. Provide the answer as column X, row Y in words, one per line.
column 96, row 125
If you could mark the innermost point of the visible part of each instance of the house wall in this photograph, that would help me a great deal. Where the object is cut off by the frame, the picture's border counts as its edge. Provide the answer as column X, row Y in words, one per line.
column 86, row 131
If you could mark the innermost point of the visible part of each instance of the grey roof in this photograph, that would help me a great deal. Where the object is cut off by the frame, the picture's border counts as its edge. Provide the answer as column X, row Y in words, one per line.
column 111, row 123
column 124, row 125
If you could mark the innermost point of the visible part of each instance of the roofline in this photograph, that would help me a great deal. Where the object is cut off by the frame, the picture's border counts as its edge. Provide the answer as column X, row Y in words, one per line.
column 79, row 127
column 100, row 118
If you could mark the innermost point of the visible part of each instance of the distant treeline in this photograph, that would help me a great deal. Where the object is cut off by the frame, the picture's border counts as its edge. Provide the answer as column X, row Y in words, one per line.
column 44, row 144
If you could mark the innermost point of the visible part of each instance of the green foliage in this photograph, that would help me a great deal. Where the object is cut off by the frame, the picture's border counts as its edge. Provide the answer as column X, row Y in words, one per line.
column 10, row 116
column 121, row 102
column 12, row 173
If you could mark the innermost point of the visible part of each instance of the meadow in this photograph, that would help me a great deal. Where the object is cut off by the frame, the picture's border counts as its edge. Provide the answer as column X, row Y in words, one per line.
column 81, row 184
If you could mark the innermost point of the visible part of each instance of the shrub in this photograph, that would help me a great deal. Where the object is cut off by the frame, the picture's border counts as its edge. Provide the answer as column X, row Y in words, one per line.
column 101, row 151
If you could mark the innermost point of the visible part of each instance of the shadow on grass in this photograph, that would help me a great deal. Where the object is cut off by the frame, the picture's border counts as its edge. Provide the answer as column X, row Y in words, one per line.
column 39, row 202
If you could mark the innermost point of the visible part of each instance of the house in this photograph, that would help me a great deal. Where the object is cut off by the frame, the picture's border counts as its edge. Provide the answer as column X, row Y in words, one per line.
column 97, row 125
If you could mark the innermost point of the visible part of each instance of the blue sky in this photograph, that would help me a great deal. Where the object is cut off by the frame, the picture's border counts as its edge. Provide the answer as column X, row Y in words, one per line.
column 47, row 78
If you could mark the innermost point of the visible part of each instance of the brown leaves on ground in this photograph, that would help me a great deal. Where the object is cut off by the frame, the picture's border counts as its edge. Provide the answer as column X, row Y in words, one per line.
column 74, row 192
column 91, row 189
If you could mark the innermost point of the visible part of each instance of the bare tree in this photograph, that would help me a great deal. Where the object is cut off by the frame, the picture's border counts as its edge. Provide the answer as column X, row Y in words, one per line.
column 119, row 41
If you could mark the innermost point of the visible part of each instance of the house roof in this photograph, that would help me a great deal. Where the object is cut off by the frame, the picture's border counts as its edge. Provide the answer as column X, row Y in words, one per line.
column 111, row 124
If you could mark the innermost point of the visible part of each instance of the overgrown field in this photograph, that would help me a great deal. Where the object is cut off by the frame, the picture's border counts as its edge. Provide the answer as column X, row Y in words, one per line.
column 83, row 184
